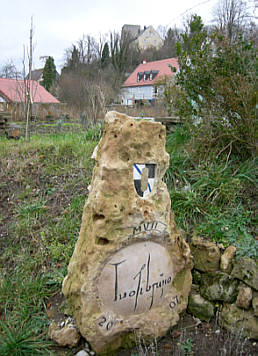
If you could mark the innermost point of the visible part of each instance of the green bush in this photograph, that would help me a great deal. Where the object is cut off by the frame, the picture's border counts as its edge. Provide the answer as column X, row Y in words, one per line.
column 213, row 198
column 215, row 91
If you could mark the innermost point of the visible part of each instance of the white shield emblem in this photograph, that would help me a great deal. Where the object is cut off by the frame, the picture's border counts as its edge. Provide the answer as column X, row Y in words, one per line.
column 144, row 178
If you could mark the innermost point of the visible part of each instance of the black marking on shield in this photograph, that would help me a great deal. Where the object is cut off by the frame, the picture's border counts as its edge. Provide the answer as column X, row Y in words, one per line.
column 137, row 185
column 137, row 175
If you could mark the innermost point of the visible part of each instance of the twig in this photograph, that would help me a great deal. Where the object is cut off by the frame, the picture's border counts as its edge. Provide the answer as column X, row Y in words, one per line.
column 230, row 150
column 223, row 149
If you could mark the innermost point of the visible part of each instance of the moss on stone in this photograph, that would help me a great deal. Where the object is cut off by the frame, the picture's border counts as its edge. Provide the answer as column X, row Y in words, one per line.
column 219, row 286
column 66, row 308
column 200, row 308
column 196, row 276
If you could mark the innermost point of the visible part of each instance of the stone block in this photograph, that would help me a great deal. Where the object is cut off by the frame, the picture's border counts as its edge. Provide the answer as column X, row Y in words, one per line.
column 246, row 269
column 131, row 268
column 206, row 255
column 64, row 336
column 244, row 298
column 219, row 287
column 239, row 321
column 200, row 307
column 255, row 303
column 227, row 258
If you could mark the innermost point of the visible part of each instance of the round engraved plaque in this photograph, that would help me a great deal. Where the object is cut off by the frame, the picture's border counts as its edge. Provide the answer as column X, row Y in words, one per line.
column 136, row 279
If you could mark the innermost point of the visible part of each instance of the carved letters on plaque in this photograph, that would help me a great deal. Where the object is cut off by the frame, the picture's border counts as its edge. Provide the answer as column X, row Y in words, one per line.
column 155, row 226
column 136, row 279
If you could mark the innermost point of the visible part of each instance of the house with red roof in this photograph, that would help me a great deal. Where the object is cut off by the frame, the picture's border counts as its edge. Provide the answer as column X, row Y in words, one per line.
column 13, row 91
column 142, row 83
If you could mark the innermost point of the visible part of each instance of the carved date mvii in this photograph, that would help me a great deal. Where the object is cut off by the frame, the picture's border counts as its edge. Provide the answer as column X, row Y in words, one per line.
column 155, row 226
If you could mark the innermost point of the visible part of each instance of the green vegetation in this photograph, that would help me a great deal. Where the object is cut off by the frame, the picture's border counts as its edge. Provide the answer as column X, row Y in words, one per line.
column 216, row 90
column 186, row 347
column 43, row 190
column 49, row 73
column 213, row 198
column 212, row 171
column 211, row 178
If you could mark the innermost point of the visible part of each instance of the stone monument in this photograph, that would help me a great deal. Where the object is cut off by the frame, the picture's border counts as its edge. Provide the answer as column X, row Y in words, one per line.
column 130, row 272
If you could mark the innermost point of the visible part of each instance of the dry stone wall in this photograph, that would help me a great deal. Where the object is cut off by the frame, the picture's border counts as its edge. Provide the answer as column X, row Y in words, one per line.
column 222, row 281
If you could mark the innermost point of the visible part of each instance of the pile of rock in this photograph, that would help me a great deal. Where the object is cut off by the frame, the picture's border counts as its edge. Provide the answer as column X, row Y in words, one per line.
column 221, row 280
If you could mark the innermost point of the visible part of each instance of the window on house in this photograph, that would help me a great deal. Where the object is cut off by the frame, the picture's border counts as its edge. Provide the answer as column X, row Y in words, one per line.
column 153, row 74
column 139, row 76
column 146, row 75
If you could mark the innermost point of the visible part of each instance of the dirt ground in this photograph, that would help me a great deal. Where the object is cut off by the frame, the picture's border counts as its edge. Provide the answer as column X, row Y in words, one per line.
column 190, row 337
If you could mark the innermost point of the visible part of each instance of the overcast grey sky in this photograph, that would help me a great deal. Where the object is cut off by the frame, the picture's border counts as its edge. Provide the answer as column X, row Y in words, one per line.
column 59, row 23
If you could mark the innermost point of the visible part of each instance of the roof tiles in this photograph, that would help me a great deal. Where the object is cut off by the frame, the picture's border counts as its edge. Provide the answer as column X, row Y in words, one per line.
column 162, row 66
column 13, row 90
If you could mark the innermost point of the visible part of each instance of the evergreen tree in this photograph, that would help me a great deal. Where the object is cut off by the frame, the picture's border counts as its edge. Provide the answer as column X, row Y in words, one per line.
column 105, row 55
column 216, row 84
column 49, row 73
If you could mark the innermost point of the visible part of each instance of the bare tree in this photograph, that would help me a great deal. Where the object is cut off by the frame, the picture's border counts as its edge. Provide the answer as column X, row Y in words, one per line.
column 120, row 50
column 27, row 86
column 101, row 43
column 231, row 17
column 9, row 70
column 88, row 49
column 169, row 45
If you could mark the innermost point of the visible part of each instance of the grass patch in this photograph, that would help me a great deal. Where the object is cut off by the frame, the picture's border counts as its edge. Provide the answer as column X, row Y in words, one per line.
column 22, row 342
column 44, row 188
column 214, row 198
column 23, row 319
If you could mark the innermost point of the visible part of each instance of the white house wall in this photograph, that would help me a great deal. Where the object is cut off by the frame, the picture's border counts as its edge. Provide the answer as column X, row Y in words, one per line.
column 130, row 94
column 149, row 38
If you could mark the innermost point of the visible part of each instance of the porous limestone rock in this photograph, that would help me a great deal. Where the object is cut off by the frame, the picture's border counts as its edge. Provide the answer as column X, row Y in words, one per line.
column 246, row 269
column 131, row 268
column 226, row 258
column 244, row 298
column 200, row 307
column 219, row 286
column 239, row 321
column 206, row 255
column 67, row 335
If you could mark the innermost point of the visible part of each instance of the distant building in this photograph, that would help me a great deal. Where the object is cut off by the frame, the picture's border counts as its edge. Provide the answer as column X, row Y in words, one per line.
column 140, row 85
column 131, row 31
column 37, row 75
column 13, row 91
column 143, row 39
